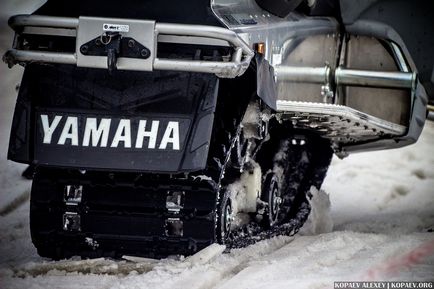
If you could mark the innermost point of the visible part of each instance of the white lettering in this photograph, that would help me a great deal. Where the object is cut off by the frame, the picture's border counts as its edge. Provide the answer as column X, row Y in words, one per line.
column 152, row 134
column 123, row 133
column 95, row 132
column 171, row 135
column 70, row 130
column 49, row 129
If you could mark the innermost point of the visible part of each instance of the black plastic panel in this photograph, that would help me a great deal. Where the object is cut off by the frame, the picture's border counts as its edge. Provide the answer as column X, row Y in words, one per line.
column 412, row 20
column 279, row 8
column 187, row 99
column 172, row 11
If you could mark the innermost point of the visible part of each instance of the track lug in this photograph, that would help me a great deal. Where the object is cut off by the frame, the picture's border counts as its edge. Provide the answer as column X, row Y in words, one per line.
column 73, row 194
column 174, row 227
column 175, row 201
column 71, row 222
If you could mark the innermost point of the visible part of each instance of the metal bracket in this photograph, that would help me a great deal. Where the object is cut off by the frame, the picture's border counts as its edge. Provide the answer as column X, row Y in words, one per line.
column 327, row 93
column 113, row 45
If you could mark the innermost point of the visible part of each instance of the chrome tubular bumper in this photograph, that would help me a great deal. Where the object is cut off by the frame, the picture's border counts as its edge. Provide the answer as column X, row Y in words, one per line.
column 149, row 33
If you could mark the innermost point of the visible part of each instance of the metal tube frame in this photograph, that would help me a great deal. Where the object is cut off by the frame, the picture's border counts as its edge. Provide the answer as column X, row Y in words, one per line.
column 237, row 66
column 302, row 74
column 18, row 21
column 374, row 78
column 347, row 125
column 343, row 76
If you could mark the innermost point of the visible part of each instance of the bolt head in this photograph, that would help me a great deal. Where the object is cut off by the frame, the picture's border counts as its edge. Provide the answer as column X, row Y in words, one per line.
column 84, row 49
column 144, row 53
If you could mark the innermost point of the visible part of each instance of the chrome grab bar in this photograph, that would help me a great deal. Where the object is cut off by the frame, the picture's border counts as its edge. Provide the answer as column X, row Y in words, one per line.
column 302, row 74
column 344, row 76
column 389, row 79
column 240, row 61
column 18, row 21
column 13, row 56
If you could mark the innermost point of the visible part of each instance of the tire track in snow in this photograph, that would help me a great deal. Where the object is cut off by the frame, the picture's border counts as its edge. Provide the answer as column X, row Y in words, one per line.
column 12, row 206
column 115, row 267
column 226, row 266
column 90, row 266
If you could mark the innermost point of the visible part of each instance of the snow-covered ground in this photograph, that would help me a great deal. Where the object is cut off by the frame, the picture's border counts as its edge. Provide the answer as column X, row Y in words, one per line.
column 382, row 208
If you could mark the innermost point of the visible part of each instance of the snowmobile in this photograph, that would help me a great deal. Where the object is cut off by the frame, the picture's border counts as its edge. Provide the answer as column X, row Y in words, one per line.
column 159, row 127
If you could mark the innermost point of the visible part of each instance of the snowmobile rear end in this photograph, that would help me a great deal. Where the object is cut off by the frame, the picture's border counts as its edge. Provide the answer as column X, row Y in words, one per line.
column 155, row 133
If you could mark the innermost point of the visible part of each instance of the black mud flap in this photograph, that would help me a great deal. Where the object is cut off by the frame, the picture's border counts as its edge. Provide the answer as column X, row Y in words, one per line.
column 85, row 118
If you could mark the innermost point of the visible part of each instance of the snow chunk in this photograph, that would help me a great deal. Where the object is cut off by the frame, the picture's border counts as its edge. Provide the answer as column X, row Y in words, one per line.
column 202, row 178
column 319, row 220
column 246, row 190
column 205, row 255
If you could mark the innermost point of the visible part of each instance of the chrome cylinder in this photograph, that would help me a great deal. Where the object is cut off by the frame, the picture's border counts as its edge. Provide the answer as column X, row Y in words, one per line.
column 195, row 66
column 369, row 78
column 15, row 55
column 302, row 74
column 42, row 21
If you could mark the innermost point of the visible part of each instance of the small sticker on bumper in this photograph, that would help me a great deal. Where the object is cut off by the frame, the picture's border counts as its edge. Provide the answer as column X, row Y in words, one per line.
column 115, row 27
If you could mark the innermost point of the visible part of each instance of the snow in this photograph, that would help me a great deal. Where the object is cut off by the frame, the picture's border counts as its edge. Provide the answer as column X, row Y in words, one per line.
column 245, row 191
column 319, row 220
column 204, row 256
column 372, row 220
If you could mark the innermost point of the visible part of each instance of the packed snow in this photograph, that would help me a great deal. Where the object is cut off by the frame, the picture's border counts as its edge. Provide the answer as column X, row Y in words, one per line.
column 372, row 220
